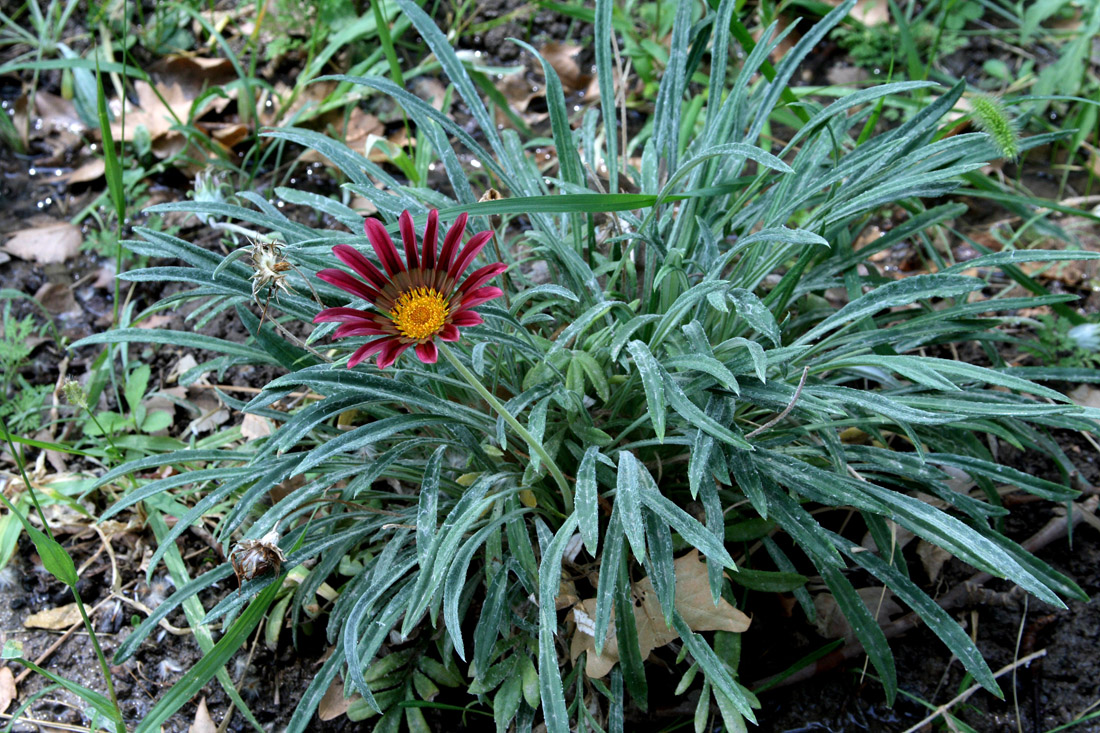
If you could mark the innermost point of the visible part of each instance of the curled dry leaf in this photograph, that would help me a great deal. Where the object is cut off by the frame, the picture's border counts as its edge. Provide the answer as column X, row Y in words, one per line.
column 54, row 619
column 203, row 722
column 693, row 602
column 7, row 688
column 48, row 244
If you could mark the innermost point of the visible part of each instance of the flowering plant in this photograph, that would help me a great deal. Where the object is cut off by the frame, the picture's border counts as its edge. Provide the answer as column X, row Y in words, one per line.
column 675, row 380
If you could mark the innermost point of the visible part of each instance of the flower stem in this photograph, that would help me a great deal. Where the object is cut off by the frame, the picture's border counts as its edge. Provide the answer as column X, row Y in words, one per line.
column 536, row 446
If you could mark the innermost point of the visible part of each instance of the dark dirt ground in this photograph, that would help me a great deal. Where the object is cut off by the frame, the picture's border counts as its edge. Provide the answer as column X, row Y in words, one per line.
column 1048, row 693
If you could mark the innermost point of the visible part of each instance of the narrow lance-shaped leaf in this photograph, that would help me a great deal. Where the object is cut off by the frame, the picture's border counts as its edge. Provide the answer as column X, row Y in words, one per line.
column 650, row 374
column 553, row 694
column 588, row 510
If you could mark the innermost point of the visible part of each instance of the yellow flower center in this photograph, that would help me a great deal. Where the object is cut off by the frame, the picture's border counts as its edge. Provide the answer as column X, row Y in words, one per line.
column 420, row 313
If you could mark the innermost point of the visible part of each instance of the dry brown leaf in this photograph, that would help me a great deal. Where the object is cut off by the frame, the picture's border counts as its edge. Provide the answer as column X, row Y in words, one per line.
column 255, row 426
column 567, row 595
column 90, row 171
column 7, row 688
column 693, row 602
column 47, row 244
column 210, row 418
column 228, row 133
column 334, row 704
column 868, row 12
column 203, row 722
column 104, row 277
column 431, row 90
column 59, row 119
column 195, row 74
column 57, row 298
column 157, row 320
column 831, row 622
column 932, row 557
column 54, row 619
column 1086, row 395
column 563, row 57
column 152, row 113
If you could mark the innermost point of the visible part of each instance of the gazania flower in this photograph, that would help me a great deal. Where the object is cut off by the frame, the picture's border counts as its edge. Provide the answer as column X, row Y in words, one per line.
column 417, row 300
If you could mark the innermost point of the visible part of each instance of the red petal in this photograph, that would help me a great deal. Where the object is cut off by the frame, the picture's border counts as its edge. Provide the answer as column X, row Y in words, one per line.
column 473, row 247
column 368, row 350
column 356, row 261
column 383, row 246
column 481, row 276
column 449, row 333
column 408, row 238
column 430, row 237
column 389, row 354
column 341, row 315
column 360, row 329
column 466, row 319
column 475, row 298
column 427, row 352
column 349, row 284
column 450, row 242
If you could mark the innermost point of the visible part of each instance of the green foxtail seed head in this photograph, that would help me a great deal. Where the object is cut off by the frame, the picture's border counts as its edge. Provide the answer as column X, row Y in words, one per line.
column 75, row 394
column 992, row 118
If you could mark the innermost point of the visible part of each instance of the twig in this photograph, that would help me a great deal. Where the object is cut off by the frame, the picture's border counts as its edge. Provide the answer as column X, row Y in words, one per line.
column 787, row 409
column 252, row 390
column 974, row 688
column 45, row 724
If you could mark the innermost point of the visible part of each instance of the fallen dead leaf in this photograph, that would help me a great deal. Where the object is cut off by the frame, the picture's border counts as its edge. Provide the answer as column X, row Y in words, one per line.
column 868, row 12
column 57, row 298
column 334, row 704
column 90, row 171
column 563, row 57
column 47, row 244
column 211, row 416
column 7, row 688
column 104, row 278
column 58, row 116
column 203, row 722
column 431, row 90
column 54, row 619
column 932, row 557
column 156, row 116
column 195, row 74
column 186, row 363
column 693, row 602
column 228, row 133
column 831, row 622
column 1086, row 396
column 157, row 320
column 255, row 426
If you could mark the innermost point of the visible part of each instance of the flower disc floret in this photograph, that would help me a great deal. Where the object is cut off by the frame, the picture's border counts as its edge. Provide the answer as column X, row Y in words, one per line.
column 420, row 313
column 415, row 301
